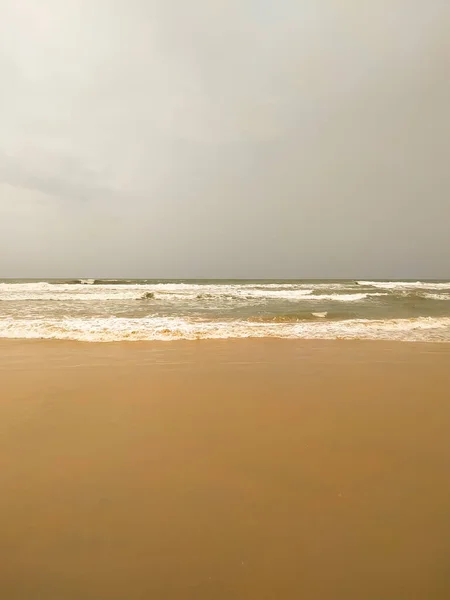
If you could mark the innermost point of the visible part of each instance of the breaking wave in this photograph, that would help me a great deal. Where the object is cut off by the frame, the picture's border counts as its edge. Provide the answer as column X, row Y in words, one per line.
column 167, row 329
column 147, row 296
column 437, row 296
column 404, row 285
column 115, row 310
column 171, row 292
column 86, row 281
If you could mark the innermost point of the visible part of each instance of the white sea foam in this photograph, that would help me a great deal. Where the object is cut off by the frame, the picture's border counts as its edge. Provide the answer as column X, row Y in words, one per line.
column 342, row 297
column 166, row 311
column 405, row 285
column 436, row 296
column 165, row 329
column 166, row 292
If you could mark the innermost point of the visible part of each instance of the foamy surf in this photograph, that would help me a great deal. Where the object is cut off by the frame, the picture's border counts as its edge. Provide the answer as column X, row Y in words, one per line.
column 168, row 329
column 116, row 310
column 399, row 285
column 173, row 292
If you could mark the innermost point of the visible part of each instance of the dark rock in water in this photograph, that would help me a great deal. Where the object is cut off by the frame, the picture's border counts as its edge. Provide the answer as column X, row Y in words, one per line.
column 147, row 296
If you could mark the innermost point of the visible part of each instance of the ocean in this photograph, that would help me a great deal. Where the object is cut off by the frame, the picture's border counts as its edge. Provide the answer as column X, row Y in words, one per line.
column 109, row 310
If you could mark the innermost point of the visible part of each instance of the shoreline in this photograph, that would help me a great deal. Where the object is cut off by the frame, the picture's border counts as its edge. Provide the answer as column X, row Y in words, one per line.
column 247, row 340
column 220, row 351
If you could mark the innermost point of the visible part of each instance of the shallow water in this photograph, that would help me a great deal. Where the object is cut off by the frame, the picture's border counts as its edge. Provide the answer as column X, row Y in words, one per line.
column 114, row 310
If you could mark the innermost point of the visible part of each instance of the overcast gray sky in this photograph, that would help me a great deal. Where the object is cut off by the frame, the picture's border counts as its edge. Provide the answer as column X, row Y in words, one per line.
column 225, row 138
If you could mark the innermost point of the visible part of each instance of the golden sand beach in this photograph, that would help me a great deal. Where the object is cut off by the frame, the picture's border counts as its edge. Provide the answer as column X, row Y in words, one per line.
column 225, row 470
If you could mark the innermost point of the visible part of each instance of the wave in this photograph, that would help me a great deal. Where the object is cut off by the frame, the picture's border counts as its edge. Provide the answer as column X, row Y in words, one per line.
column 299, row 317
column 174, row 328
column 221, row 294
column 437, row 296
column 343, row 297
column 147, row 296
column 168, row 292
column 103, row 282
column 67, row 297
column 87, row 281
column 399, row 285
column 171, row 298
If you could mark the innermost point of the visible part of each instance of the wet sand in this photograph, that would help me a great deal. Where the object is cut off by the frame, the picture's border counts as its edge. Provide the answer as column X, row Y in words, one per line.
column 224, row 470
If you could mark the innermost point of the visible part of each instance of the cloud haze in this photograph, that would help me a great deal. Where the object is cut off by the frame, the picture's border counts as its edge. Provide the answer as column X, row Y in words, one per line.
column 217, row 138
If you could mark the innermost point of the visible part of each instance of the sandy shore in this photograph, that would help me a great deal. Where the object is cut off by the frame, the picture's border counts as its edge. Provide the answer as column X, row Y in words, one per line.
column 224, row 470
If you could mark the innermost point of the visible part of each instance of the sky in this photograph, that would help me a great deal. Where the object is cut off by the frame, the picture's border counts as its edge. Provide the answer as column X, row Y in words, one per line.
column 225, row 138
